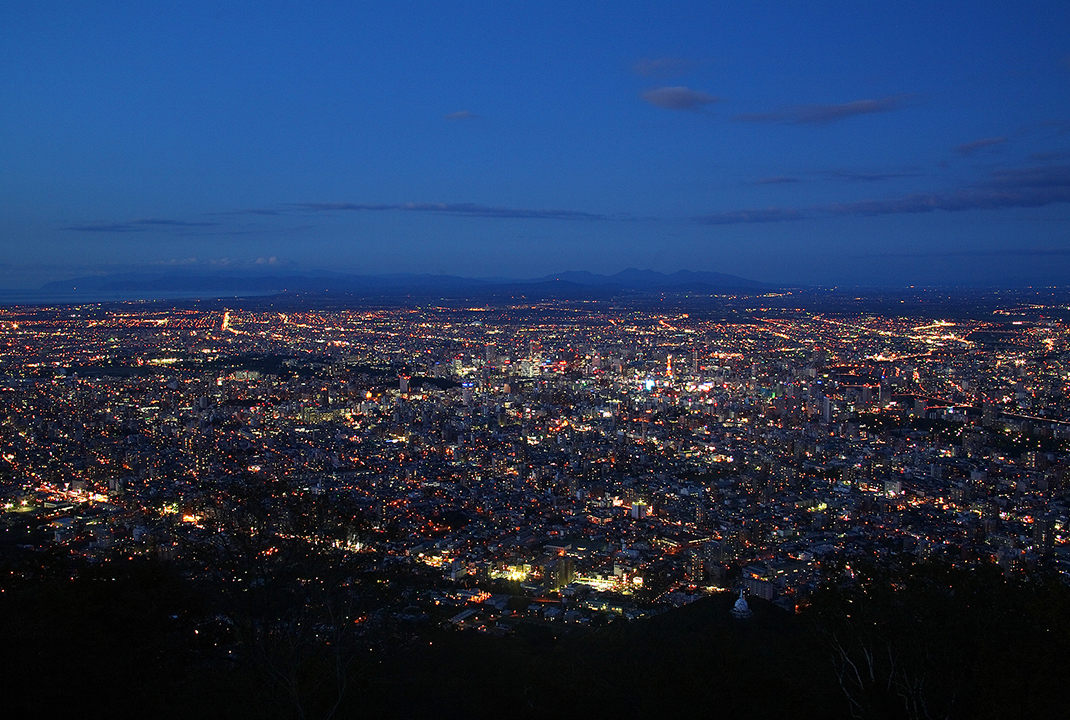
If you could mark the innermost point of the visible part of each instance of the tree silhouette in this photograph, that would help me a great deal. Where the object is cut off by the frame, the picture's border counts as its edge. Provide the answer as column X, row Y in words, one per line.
column 930, row 640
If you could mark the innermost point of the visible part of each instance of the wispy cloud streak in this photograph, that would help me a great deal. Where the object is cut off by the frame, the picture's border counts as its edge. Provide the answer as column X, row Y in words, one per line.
column 475, row 210
column 460, row 209
column 822, row 114
column 855, row 176
column 1029, row 187
column 1004, row 252
column 751, row 216
column 679, row 98
column 138, row 225
column 976, row 199
column 967, row 149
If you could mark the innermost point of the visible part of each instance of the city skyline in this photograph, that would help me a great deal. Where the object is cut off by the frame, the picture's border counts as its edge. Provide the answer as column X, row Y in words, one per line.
column 919, row 144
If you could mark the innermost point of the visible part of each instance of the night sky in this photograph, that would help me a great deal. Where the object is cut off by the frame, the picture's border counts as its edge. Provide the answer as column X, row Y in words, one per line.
column 830, row 143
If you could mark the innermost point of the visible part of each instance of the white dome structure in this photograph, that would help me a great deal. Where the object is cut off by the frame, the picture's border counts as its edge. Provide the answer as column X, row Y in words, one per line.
column 741, row 609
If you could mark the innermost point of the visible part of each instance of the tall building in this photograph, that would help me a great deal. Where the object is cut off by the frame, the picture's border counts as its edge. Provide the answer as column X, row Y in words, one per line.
column 693, row 570
column 1043, row 533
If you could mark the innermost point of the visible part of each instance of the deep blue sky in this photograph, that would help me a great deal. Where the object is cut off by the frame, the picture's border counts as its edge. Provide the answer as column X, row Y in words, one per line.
column 835, row 142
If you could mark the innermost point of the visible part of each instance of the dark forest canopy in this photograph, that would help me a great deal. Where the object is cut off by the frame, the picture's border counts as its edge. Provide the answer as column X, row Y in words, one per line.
column 129, row 638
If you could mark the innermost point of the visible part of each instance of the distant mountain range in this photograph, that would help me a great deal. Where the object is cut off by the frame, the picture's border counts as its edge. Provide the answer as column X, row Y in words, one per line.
column 650, row 280
column 567, row 284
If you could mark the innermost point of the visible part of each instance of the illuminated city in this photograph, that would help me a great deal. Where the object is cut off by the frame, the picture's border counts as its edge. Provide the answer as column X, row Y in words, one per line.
column 556, row 464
